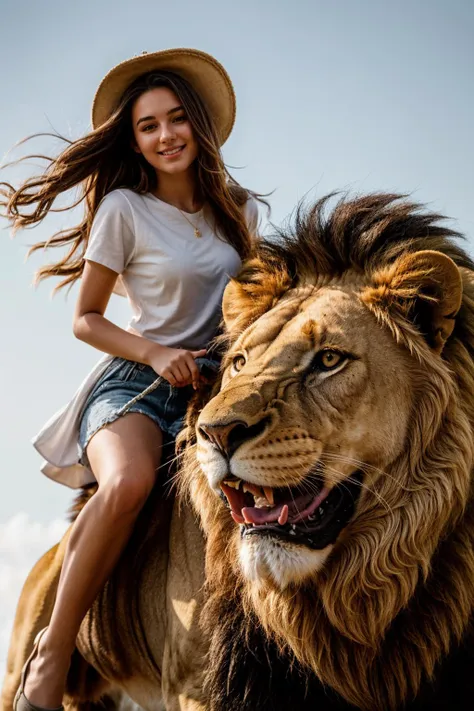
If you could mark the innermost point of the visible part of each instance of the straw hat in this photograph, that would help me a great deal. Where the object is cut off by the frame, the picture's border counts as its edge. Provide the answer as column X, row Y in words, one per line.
column 205, row 74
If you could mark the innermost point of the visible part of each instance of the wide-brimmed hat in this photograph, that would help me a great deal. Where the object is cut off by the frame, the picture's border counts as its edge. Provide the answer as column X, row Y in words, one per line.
column 205, row 74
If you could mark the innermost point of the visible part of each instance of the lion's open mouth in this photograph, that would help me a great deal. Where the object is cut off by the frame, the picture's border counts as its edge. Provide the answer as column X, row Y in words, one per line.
column 313, row 519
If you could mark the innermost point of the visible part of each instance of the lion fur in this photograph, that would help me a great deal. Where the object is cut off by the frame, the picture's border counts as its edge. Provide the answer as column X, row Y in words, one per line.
column 397, row 596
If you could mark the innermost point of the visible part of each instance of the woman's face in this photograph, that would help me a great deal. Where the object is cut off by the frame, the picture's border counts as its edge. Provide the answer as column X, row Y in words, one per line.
column 162, row 131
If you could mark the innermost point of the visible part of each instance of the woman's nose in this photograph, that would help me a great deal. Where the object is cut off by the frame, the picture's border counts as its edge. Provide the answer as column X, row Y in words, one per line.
column 167, row 132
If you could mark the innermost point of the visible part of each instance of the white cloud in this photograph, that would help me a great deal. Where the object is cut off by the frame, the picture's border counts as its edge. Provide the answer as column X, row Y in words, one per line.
column 22, row 543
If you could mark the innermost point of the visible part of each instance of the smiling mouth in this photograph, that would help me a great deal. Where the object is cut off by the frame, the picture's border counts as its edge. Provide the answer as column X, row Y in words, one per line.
column 172, row 151
column 312, row 519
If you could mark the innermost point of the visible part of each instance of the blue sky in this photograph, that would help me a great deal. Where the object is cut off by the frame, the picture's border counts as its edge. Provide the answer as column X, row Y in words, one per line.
column 357, row 95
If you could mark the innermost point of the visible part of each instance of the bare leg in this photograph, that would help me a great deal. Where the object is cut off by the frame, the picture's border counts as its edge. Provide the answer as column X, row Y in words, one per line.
column 124, row 457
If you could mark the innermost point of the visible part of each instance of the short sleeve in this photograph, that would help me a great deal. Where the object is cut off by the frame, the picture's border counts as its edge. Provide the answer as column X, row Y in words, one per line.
column 111, row 239
column 251, row 216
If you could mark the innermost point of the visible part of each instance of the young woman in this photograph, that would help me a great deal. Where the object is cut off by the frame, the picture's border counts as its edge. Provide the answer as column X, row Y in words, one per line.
column 166, row 224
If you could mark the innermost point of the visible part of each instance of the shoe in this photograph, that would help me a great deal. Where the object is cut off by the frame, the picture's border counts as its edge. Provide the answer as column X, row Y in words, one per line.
column 21, row 703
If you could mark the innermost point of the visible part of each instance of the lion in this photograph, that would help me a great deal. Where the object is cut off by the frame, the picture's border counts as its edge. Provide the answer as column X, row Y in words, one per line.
column 319, row 553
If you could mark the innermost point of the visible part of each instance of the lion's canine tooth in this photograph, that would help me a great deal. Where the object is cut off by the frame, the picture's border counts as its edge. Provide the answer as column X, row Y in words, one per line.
column 268, row 491
column 252, row 489
column 283, row 517
column 233, row 484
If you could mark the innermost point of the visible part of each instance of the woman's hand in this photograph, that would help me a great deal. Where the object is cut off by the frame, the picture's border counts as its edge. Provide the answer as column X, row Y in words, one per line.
column 176, row 365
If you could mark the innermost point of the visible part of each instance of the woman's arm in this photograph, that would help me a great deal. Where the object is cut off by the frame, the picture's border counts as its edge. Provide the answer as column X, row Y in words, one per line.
column 90, row 325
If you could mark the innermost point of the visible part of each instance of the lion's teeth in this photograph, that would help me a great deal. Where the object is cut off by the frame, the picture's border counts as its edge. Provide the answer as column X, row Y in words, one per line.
column 252, row 489
column 268, row 491
column 234, row 484
column 263, row 495
column 283, row 517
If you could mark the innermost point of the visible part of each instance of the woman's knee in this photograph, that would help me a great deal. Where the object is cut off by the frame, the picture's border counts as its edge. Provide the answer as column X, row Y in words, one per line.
column 124, row 493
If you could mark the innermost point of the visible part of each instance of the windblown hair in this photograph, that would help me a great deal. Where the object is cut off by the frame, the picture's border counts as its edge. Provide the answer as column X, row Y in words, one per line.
column 104, row 160
column 397, row 593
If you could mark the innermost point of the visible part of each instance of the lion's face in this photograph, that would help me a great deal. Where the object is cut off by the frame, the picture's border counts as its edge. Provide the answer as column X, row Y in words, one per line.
column 315, row 404
column 315, row 400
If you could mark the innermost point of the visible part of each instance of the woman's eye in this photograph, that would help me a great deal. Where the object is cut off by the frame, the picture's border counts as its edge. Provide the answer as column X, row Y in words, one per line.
column 148, row 128
column 328, row 360
column 179, row 119
column 238, row 363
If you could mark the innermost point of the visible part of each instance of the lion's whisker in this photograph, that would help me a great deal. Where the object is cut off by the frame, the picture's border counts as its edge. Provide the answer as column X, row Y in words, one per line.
column 336, row 480
column 362, row 485
column 363, row 465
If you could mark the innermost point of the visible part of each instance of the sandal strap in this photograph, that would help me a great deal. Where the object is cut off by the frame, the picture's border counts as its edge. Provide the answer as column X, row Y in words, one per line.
column 22, row 704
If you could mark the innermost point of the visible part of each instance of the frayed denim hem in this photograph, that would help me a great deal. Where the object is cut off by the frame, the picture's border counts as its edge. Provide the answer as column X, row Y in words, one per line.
column 113, row 417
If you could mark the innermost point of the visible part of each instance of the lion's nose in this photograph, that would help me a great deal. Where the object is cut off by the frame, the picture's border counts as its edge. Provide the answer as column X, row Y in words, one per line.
column 227, row 438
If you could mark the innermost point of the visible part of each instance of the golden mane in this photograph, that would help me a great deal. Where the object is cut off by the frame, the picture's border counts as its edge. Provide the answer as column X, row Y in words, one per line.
column 364, row 627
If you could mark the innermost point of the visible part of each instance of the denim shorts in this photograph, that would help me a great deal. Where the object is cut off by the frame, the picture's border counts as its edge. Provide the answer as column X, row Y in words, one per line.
column 122, row 381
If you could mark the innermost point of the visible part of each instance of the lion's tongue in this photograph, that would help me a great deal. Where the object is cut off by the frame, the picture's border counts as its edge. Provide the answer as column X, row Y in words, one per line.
column 249, row 514
column 252, row 514
column 293, row 509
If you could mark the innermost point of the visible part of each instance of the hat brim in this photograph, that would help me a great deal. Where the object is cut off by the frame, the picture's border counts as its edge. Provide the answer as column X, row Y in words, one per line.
column 205, row 74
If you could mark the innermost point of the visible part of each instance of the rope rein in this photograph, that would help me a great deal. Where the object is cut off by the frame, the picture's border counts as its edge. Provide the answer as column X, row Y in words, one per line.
column 123, row 410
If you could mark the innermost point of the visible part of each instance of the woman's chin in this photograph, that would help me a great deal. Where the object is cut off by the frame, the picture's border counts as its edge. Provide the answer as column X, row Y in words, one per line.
column 173, row 167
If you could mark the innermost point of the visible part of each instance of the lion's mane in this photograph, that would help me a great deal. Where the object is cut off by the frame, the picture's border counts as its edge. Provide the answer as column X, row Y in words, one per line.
column 397, row 595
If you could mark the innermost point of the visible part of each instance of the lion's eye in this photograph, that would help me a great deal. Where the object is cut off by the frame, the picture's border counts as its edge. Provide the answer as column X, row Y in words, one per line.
column 327, row 360
column 238, row 362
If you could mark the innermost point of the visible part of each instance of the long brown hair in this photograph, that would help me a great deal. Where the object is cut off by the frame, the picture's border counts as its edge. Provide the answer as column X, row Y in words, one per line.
column 104, row 160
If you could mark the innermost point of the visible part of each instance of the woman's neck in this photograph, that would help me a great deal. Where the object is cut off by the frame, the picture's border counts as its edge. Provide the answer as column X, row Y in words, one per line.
column 178, row 190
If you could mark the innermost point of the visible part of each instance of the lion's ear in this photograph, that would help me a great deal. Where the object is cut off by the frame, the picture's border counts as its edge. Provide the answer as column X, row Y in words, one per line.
column 243, row 303
column 235, row 303
column 256, row 291
column 425, row 288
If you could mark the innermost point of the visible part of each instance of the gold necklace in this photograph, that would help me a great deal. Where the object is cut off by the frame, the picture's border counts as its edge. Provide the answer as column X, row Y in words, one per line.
column 197, row 231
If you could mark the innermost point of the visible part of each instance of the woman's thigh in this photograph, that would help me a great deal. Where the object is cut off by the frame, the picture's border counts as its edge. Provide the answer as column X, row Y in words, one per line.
column 130, row 447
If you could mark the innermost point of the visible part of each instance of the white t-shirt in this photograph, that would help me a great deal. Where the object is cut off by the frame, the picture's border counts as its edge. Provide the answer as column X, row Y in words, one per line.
column 174, row 280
